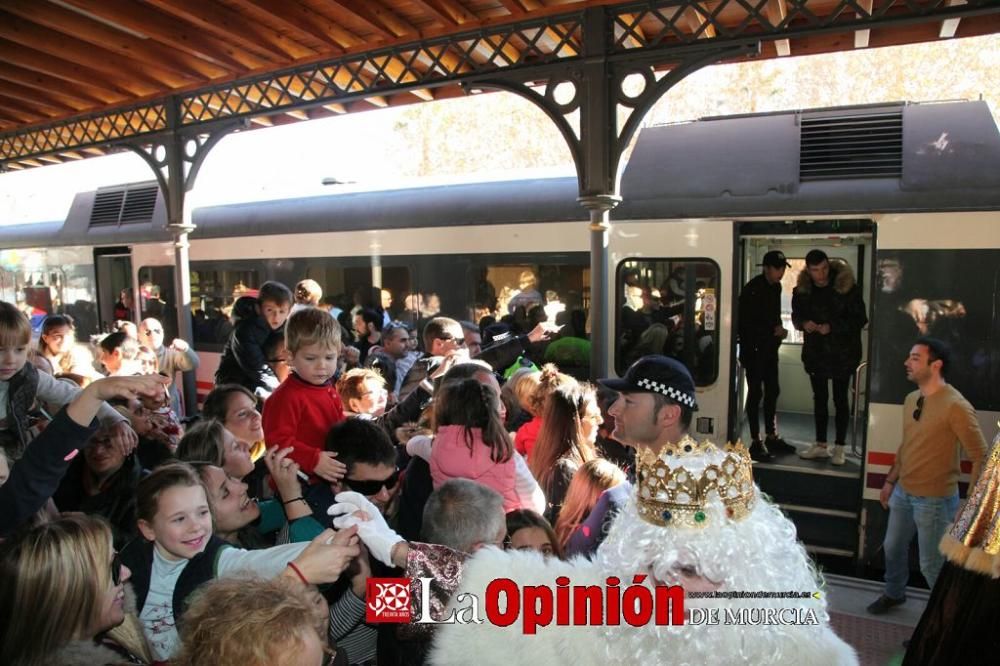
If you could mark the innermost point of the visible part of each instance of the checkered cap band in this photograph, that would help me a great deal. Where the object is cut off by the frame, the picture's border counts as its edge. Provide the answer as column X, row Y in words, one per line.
column 669, row 391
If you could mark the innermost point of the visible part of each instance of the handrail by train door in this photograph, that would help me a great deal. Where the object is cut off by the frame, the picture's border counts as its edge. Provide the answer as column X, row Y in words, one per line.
column 741, row 414
column 858, row 373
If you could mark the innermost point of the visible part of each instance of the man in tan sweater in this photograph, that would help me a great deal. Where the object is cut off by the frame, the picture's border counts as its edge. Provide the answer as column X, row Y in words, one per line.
column 921, row 489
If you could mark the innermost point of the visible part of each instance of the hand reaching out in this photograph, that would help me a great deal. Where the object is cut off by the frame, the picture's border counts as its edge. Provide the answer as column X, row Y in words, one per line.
column 543, row 331
column 355, row 510
column 328, row 555
column 123, row 437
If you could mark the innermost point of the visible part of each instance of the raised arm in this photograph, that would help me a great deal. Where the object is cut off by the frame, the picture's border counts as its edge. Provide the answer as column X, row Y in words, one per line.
column 37, row 475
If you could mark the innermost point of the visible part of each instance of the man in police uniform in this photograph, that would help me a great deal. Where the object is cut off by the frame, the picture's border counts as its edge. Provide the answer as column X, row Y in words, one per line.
column 761, row 333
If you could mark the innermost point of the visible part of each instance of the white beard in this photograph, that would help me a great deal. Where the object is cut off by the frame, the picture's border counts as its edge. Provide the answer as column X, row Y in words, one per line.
column 759, row 553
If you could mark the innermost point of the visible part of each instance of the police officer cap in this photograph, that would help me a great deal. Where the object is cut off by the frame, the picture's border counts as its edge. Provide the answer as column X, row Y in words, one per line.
column 657, row 374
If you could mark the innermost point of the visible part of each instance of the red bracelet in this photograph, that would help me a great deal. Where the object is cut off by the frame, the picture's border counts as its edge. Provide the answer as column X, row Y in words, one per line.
column 298, row 572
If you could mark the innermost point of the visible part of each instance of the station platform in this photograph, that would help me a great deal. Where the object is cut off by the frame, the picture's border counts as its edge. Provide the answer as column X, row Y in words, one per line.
column 878, row 639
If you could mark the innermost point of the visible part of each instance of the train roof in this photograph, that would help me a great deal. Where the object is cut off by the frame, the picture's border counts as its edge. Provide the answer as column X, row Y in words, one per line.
column 850, row 160
column 840, row 161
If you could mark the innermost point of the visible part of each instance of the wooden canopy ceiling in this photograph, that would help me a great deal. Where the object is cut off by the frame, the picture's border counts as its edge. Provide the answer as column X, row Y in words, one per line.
column 63, row 60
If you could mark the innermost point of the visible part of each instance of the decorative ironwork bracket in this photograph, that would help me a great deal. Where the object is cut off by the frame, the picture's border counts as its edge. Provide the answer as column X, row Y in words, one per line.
column 176, row 157
column 596, row 90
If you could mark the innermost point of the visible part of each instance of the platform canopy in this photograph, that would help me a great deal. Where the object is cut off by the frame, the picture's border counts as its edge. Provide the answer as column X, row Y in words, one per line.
column 84, row 77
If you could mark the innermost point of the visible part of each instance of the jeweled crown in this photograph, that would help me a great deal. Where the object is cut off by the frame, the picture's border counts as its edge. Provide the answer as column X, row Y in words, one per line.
column 675, row 486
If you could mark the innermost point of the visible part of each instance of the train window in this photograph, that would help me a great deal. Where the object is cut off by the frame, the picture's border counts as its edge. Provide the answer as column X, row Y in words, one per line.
column 156, row 298
column 517, row 290
column 523, row 287
column 669, row 306
column 345, row 281
column 213, row 292
column 52, row 281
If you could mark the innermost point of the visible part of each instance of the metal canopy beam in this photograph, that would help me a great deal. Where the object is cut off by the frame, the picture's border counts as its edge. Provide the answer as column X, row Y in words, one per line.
column 651, row 31
column 176, row 158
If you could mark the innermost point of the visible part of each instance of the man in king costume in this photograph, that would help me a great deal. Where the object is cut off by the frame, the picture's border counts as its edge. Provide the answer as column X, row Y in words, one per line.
column 695, row 520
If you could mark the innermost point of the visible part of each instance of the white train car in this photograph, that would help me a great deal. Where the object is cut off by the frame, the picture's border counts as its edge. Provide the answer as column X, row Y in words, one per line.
column 907, row 194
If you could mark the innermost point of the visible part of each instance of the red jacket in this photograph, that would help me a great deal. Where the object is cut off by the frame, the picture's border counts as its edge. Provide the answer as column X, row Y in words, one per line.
column 524, row 438
column 300, row 414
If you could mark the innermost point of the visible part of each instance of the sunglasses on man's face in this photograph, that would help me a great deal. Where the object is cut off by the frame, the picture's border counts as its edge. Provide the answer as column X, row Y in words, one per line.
column 369, row 488
column 919, row 410
column 152, row 331
column 459, row 342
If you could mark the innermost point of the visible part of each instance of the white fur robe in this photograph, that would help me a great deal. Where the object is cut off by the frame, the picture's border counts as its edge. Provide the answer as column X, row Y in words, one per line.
column 759, row 553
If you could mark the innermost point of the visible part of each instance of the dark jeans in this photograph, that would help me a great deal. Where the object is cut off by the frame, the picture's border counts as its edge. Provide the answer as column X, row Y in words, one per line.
column 821, row 397
column 762, row 382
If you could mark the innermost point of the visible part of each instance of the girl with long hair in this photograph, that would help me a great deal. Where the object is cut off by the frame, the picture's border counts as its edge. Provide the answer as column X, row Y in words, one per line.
column 236, row 407
column 566, row 441
column 57, row 349
column 62, row 590
column 527, row 530
column 210, row 441
column 470, row 440
column 593, row 478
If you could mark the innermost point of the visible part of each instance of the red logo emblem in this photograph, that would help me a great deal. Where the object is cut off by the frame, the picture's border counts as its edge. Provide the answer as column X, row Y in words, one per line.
column 388, row 600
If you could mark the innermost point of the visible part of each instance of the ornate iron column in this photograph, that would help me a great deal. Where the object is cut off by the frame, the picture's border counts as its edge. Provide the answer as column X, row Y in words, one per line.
column 176, row 156
column 609, row 116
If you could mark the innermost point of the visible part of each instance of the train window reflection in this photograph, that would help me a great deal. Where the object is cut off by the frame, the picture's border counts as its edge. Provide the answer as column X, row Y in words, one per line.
column 156, row 298
column 213, row 293
column 670, row 307
column 48, row 281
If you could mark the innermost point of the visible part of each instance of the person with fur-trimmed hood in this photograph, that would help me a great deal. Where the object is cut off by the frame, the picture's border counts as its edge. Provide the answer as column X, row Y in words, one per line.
column 828, row 307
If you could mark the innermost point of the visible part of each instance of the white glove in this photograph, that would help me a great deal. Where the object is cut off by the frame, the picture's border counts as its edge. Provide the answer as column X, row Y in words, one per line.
column 378, row 537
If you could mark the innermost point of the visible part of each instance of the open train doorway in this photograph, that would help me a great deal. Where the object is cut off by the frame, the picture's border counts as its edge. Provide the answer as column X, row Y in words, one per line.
column 115, row 297
column 821, row 494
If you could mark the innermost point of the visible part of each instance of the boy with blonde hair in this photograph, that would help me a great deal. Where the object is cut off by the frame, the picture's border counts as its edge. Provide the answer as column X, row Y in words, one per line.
column 21, row 384
column 306, row 405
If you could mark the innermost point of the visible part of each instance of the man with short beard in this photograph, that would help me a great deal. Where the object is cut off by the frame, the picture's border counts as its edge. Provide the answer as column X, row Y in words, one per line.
column 921, row 489
column 696, row 520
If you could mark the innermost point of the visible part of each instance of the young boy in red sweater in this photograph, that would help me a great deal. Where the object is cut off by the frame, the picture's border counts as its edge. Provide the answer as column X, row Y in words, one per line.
column 306, row 405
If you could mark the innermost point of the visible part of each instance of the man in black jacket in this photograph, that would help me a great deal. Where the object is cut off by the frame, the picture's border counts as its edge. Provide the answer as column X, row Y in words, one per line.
column 827, row 305
column 761, row 334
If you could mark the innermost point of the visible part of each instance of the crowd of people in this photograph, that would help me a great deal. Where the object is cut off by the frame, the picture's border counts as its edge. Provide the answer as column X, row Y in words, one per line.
column 130, row 536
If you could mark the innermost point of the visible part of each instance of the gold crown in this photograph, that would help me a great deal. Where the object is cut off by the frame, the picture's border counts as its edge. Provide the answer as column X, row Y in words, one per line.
column 675, row 486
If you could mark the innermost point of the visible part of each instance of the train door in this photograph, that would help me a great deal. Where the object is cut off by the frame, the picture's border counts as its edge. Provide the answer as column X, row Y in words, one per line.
column 113, row 266
column 669, row 288
column 822, row 499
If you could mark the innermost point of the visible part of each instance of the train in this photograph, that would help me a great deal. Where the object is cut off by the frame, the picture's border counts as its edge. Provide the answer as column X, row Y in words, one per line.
column 908, row 194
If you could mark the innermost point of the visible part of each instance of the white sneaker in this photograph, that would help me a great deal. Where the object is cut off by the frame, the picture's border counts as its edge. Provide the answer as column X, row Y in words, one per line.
column 838, row 456
column 816, row 452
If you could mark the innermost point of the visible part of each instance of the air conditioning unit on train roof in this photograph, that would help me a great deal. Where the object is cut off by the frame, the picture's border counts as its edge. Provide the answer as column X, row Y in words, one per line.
column 863, row 142
column 130, row 203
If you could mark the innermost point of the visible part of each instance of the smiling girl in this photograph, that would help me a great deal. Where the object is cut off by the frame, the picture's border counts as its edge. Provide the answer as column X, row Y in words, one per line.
column 179, row 552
